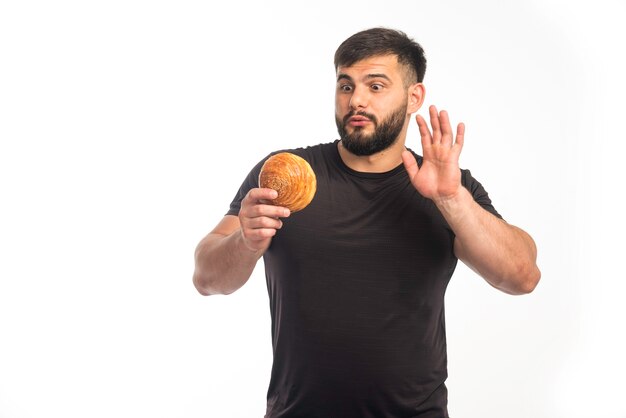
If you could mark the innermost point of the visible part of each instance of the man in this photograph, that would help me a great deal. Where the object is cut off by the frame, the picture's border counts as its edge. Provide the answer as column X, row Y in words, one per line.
column 357, row 279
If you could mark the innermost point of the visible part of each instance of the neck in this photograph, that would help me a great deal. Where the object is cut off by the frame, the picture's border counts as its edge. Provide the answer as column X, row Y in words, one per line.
column 380, row 162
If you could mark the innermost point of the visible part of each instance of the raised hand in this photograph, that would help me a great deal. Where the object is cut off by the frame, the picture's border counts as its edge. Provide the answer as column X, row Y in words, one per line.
column 439, row 177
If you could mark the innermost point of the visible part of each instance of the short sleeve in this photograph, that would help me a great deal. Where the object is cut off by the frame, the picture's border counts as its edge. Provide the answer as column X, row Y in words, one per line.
column 478, row 192
column 250, row 182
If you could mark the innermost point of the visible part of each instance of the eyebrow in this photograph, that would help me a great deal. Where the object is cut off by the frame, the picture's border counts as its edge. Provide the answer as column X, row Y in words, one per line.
column 344, row 76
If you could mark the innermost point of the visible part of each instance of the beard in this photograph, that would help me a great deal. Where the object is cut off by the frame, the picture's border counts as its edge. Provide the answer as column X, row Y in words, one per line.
column 385, row 134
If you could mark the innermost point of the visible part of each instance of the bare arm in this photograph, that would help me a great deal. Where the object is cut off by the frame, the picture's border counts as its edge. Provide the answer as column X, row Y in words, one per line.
column 502, row 254
column 226, row 257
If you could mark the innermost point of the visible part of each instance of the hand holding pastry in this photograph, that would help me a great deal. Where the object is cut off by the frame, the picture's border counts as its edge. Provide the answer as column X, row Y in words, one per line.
column 259, row 220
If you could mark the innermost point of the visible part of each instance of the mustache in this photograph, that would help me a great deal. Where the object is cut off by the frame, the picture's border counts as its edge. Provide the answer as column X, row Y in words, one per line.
column 361, row 113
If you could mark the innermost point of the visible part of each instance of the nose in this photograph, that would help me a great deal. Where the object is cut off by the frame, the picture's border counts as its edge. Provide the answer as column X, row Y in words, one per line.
column 359, row 99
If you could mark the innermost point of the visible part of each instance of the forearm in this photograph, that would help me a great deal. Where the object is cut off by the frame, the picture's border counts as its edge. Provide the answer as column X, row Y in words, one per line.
column 223, row 263
column 502, row 254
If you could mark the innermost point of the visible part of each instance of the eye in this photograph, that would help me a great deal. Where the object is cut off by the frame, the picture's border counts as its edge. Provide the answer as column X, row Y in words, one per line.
column 376, row 87
column 345, row 88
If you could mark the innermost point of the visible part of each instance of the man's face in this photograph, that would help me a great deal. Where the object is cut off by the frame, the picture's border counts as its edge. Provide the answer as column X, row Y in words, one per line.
column 370, row 104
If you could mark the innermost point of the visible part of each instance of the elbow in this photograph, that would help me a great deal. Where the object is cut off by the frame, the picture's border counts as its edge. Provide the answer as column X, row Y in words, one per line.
column 202, row 288
column 532, row 280
column 526, row 281
column 205, row 283
column 208, row 287
column 522, row 281
column 203, row 276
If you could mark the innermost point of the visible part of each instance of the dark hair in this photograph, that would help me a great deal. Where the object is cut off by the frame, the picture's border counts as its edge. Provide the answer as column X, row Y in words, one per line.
column 383, row 41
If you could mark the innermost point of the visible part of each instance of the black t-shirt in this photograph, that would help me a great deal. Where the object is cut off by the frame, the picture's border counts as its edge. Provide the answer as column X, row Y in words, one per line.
column 356, row 283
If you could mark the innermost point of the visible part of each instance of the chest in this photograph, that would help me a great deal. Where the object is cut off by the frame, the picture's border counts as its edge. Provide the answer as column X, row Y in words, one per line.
column 377, row 222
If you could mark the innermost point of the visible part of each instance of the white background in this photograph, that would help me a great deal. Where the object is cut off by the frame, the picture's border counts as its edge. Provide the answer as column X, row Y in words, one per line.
column 126, row 128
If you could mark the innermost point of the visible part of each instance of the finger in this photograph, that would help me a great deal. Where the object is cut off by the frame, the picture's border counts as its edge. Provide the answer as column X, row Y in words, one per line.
column 446, row 129
column 258, row 203
column 257, row 210
column 424, row 132
column 434, row 122
column 410, row 164
column 260, row 234
column 260, row 222
column 259, row 229
column 258, row 194
column 458, row 144
column 460, row 135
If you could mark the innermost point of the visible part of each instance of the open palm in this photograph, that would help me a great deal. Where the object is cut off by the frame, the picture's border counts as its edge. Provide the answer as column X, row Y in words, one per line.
column 439, row 177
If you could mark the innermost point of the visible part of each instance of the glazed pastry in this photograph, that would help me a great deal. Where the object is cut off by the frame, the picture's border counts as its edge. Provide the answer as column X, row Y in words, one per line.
column 292, row 177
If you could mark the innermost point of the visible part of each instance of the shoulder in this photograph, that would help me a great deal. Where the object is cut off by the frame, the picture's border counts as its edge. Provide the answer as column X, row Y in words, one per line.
column 478, row 192
column 469, row 181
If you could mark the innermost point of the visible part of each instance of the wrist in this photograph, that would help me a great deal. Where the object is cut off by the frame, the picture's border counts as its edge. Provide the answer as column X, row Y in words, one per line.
column 451, row 199
column 454, row 205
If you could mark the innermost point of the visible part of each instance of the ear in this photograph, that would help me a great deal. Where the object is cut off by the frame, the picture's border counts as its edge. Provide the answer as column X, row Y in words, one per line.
column 417, row 92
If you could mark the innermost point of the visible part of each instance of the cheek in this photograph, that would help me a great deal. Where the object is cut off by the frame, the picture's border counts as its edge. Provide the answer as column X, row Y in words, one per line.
column 341, row 107
column 395, row 101
column 339, row 102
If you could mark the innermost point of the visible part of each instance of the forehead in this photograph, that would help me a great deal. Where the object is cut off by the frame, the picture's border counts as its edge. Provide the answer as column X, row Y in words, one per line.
column 381, row 64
